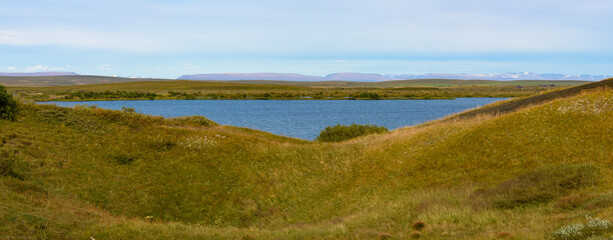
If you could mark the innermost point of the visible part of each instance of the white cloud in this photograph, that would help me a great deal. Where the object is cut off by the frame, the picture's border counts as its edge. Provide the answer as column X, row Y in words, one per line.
column 189, row 66
column 106, row 67
column 41, row 68
column 11, row 68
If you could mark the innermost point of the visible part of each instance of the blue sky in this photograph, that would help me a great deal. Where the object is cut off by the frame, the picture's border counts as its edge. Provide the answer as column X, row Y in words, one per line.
column 162, row 38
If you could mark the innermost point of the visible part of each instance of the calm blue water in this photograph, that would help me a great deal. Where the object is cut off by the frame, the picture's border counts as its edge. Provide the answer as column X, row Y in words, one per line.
column 300, row 118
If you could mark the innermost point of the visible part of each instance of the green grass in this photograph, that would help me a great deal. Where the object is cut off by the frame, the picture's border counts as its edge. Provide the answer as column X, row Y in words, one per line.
column 89, row 172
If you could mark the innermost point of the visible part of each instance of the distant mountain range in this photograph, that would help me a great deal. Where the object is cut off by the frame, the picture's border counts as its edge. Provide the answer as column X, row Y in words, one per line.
column 373, row 77
column 361, row 77
column 37, row 74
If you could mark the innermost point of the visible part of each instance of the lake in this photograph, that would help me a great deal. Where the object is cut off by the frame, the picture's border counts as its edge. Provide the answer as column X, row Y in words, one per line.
column 300, row 118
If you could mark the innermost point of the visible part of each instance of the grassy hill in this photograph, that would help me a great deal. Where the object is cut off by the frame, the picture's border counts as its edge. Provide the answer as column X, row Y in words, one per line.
column 522, row 174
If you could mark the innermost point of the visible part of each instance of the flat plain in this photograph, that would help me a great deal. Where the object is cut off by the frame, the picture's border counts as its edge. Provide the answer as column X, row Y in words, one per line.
column 81, row 88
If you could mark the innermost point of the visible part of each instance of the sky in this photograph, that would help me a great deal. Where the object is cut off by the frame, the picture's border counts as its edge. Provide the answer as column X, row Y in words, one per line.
column 167, row 39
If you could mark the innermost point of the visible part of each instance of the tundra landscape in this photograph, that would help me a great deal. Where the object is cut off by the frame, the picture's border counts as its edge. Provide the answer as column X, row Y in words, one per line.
column 271, row 119
column 521, row 169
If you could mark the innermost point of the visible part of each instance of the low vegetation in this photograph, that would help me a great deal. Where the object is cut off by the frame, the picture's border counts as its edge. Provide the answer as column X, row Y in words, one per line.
column 339, row 132
column 531, row 173
column 594, row 229
column 190, row 90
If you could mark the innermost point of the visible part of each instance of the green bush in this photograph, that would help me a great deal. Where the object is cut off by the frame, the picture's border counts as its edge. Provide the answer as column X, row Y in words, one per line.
column 339, row 132
column 371, row 95
column 8, row 105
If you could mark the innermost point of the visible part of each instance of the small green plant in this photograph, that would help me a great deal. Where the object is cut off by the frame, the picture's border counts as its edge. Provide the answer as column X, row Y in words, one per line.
column 593, row 230
column 339, row 132
column 8, row 105
column 570, row 232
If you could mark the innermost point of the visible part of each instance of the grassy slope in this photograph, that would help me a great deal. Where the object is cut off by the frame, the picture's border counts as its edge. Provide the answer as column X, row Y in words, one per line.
column 509, row 106
column 227, row 182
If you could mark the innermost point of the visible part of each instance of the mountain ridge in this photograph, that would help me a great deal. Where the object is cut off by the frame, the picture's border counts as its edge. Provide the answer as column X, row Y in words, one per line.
column 375, row 77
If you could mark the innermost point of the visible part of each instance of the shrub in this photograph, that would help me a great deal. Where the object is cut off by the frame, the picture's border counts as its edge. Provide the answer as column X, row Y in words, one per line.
column 8, row 105
column 193, row 120
column 123, row 159
column 419, row 225
column 541, row 185
column 339, row 132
